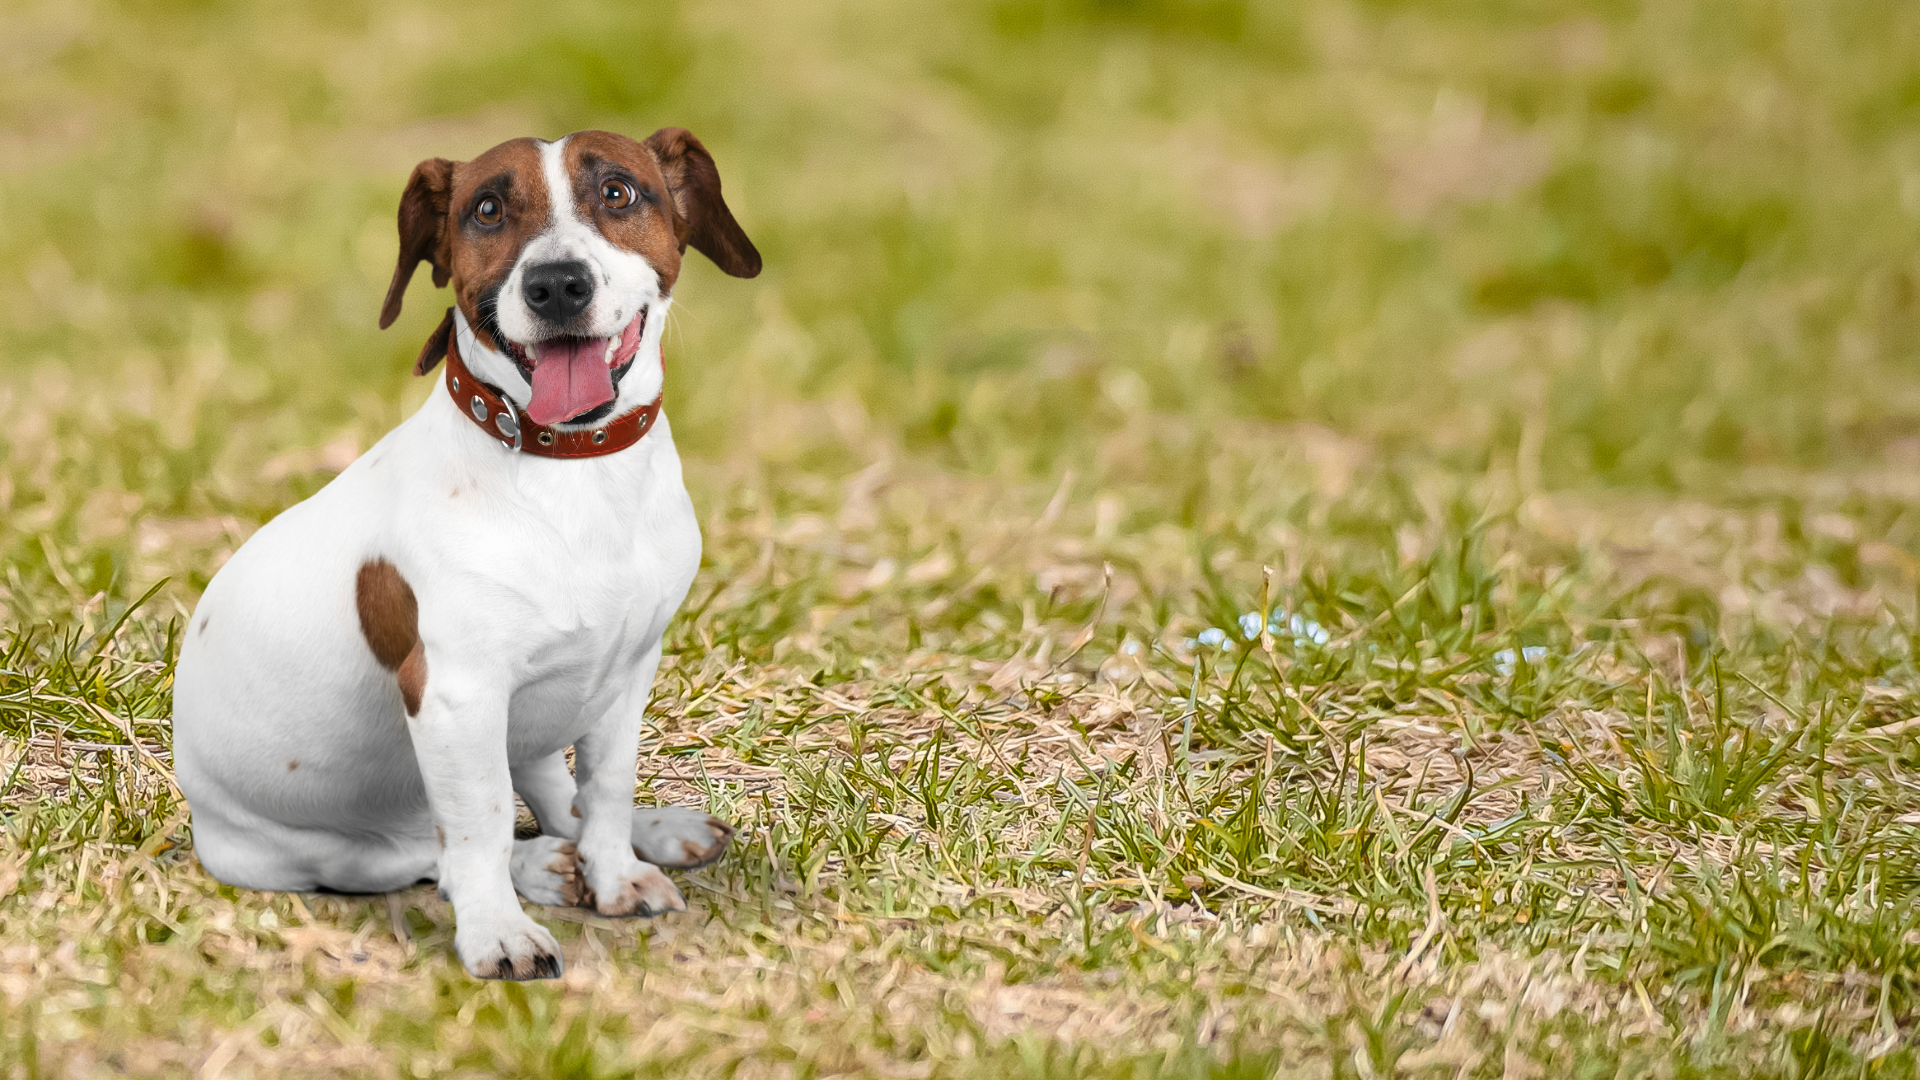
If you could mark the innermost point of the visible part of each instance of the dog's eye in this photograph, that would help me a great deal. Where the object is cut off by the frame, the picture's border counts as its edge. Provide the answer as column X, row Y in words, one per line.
column 488, row 212
column 617, row 194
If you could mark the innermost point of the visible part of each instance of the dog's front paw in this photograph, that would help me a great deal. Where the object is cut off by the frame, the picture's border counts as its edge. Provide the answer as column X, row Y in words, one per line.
column 679, row 838
column 507, row 947
column 638, row 889
column 546, row 870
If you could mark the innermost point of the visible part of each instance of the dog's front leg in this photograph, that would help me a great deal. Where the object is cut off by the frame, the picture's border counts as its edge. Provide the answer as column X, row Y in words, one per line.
column 603, row 761
column 460, row 739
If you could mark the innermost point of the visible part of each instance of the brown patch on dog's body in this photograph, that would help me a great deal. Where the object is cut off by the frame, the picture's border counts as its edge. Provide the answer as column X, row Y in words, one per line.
column 413, row 679
column 390, row 621
column 389, row 614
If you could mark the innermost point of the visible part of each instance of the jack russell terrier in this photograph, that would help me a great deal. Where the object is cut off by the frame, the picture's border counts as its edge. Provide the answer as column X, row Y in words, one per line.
column 372, row 677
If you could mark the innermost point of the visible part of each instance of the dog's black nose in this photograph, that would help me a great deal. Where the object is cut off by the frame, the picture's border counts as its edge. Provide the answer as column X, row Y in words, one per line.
column 558, row 291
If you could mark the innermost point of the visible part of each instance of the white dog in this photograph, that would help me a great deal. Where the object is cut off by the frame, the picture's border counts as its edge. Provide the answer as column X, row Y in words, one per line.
column 371, row 678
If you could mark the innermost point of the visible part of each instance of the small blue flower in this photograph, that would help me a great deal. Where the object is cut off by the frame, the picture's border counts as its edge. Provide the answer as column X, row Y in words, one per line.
column 1505, row 662
column 1305, row 630
column 1214, row 636
column 1302, row 630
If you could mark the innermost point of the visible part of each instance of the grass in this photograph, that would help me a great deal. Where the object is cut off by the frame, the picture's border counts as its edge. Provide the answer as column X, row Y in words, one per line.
column 1346, row 539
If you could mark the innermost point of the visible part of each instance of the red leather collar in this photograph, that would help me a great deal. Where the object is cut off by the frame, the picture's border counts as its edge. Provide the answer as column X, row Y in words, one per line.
column 506, row 424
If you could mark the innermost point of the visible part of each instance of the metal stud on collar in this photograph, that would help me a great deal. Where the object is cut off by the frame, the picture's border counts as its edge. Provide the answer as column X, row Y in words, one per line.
column 456, row 383
column 508, row 425
column 478, row 408
column 599, row 437
column 546, row 438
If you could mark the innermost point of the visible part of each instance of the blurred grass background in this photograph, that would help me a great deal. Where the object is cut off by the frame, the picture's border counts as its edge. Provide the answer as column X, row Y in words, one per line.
column 1557, row 356
column 1653, row 246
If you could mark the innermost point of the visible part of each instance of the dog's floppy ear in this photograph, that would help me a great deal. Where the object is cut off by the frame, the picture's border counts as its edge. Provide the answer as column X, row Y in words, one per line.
column 704, row 220
column 436, row 347
column 423, row 226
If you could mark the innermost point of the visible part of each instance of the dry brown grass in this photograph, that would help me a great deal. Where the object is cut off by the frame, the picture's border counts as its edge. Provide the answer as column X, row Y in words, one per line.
column 1553, row 360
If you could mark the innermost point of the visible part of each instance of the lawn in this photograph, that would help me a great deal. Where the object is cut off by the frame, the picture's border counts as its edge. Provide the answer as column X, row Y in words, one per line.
column 1356, row 539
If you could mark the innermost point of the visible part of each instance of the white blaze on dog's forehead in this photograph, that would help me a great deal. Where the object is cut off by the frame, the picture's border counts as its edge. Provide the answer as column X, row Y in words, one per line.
column 563, row 217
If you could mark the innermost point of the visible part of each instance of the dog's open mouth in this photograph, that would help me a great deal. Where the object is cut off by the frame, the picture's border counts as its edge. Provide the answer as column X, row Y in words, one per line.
column 572, row 376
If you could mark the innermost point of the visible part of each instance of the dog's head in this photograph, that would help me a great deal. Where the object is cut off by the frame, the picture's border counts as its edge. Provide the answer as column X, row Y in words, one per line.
column 563, row 257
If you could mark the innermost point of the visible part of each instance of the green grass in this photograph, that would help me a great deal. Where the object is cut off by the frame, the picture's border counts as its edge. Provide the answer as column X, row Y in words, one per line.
column 1342, row 539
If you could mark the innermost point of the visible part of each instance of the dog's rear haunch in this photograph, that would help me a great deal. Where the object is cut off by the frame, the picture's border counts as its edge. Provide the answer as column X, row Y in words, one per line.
column 374, row 675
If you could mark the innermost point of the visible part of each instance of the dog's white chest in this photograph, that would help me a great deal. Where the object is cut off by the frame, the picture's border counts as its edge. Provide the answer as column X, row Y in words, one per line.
column 594, row 622
column 584, row 564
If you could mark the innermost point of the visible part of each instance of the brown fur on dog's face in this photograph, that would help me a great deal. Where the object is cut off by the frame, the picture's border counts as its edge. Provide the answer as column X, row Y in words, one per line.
column 480, row 256
column 668, row 184
column 650, row 227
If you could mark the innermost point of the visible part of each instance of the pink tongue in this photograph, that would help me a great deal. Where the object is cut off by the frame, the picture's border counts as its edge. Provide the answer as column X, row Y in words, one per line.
column 570, row 377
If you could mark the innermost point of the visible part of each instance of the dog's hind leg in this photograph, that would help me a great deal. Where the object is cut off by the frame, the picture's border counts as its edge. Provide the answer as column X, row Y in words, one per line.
column 256, row 853
column 548, row 788
column 673, row 837
column 679, row 837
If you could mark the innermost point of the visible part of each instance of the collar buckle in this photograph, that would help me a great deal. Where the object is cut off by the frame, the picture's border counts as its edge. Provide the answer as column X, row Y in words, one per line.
column 509, row 425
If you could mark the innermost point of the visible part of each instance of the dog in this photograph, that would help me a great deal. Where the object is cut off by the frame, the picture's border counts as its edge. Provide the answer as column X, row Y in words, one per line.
column 368, row 682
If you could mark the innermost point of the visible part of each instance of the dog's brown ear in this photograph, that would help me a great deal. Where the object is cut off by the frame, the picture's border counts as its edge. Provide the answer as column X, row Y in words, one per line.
column 705, row 222
column 423, row 226
column 435, row 349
